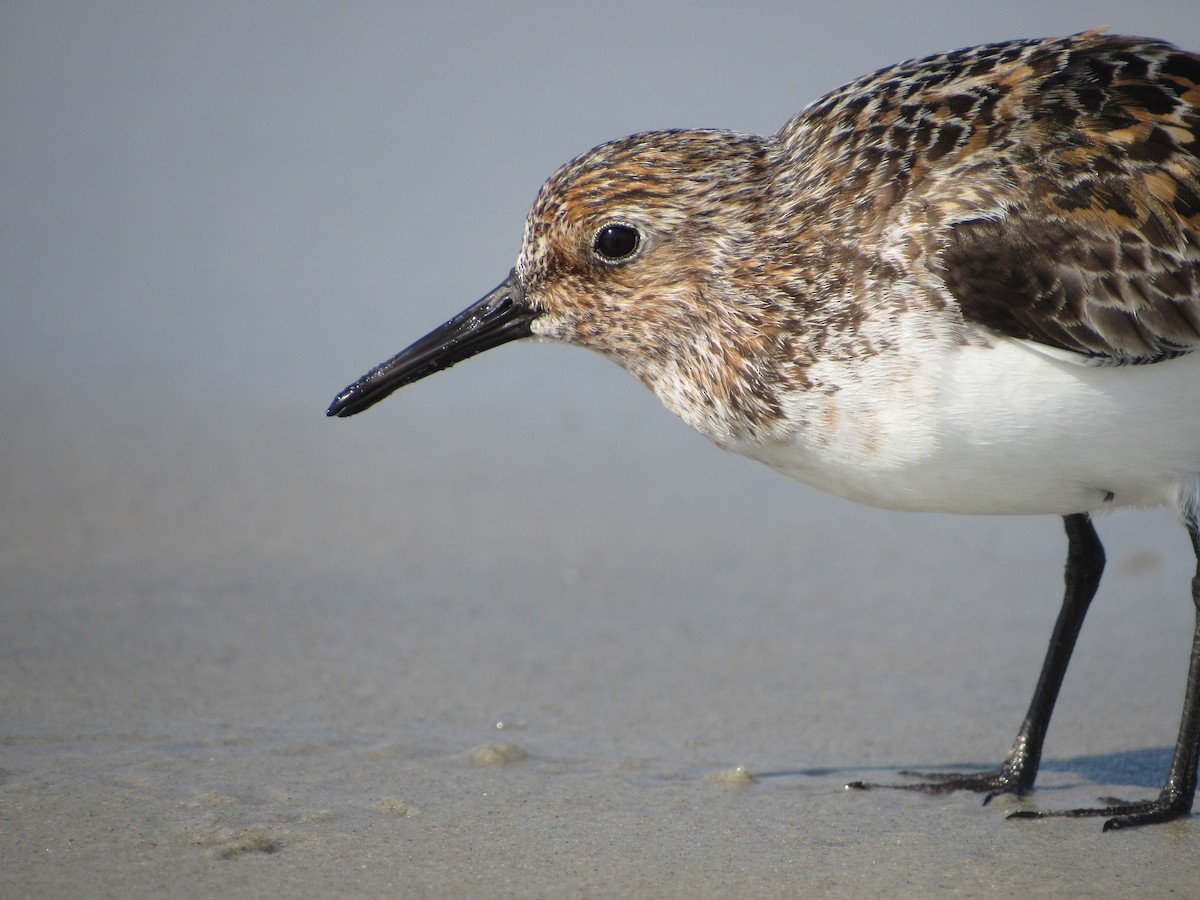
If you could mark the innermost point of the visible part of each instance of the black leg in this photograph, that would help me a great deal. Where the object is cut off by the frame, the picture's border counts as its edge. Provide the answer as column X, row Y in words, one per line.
column 1176, row 797
column 1085, row 564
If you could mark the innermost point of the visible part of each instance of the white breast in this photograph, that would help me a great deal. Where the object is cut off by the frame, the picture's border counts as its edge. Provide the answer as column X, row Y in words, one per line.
column 999, row 429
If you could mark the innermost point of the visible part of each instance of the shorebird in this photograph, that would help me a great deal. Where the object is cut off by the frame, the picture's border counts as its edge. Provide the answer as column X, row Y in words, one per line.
column 968, row 283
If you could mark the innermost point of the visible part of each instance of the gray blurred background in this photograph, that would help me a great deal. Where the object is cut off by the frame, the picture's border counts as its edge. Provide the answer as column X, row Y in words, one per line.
column 249, row 202
column 212, row 217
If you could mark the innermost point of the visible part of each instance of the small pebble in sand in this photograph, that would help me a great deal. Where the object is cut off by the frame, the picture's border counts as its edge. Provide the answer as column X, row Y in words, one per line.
column 499, row 753
column 736, row 775
column 228, row 844
column 396, row 806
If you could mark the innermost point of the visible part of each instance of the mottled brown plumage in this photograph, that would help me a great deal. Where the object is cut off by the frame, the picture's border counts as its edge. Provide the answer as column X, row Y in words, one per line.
column 1045, row 190
column 968, row 283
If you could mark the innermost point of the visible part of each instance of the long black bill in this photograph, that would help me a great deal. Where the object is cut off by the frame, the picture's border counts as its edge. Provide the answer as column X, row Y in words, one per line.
column 500, row 317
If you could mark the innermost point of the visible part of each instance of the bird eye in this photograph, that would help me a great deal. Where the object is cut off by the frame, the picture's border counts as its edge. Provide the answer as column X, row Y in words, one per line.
column 616, row 242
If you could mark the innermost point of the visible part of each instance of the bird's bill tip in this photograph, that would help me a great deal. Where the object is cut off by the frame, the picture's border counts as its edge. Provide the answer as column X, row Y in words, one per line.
column 502, row 315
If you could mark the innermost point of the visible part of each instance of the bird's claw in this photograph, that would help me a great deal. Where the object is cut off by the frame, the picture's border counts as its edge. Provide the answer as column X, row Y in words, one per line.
column 1121, row 814
column 993, row 783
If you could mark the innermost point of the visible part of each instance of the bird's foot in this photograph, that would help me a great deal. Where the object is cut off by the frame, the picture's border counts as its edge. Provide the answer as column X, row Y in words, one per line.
column 1004, row 780
column 1169, row 805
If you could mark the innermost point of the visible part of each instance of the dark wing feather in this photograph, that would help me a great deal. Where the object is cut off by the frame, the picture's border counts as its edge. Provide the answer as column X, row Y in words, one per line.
column 1117, row 298
column 1099, row 253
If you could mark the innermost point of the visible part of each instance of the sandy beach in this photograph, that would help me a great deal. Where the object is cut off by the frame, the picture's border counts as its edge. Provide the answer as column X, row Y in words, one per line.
column 517, row 632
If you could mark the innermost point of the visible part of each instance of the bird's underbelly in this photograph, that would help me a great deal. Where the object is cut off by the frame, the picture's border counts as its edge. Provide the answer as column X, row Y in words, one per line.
column 1004, row 429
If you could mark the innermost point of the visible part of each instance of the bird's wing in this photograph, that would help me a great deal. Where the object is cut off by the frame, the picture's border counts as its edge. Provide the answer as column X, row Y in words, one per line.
column 1112, row 295
column 1097, row 249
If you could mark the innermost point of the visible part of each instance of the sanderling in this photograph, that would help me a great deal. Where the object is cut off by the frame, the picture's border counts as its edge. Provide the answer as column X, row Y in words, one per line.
column 966, row 283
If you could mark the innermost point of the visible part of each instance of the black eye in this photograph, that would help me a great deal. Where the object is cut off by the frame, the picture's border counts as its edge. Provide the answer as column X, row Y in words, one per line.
column 616, row 241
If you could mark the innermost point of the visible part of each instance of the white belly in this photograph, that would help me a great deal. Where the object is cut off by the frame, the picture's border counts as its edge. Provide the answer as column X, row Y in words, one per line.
column 1005, row 429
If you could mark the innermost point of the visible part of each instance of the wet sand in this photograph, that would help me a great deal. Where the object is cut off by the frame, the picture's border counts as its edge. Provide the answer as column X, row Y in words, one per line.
column 233, row 663
column 516, row 632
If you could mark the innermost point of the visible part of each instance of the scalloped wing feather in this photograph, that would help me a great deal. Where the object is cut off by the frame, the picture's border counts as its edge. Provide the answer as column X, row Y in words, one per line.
column 1099, row 254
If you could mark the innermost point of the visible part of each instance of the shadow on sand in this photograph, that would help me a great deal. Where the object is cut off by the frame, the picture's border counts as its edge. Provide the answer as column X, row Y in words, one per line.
column 1146, row 768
